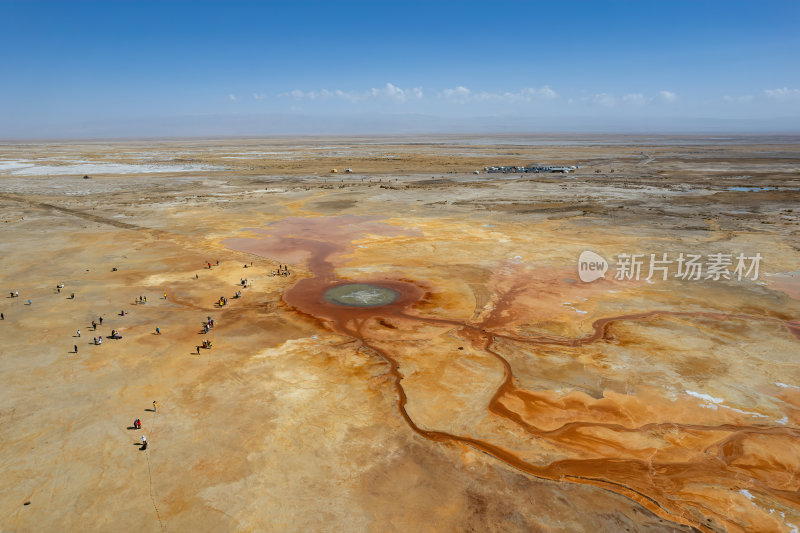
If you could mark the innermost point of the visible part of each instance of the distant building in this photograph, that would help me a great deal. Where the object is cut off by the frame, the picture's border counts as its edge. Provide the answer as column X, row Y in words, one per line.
column 535, row 168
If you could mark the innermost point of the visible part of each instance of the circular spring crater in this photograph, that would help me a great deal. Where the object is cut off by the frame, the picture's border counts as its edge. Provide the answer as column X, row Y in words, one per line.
column 361, row 295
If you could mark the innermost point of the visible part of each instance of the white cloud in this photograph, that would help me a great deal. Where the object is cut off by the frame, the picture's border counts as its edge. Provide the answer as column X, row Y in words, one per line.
column 783, row 93
column 232, row 97
column 746, row 99
column 458, row 95
column 388, row 92
column 529, row 94
column 604, row 99
column 630, row 100
column 666, row 97
column 462, row 95
column 635, row 99
column 547, row 92
column 396, row 93
column 259, row 96
column 297, row 94
column 324, row 93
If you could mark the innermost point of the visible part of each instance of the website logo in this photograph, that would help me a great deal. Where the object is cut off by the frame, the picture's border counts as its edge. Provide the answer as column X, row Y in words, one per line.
column 591, row 266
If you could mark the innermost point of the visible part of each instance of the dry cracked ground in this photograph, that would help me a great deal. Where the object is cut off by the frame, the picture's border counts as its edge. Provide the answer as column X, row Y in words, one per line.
column 495, row 392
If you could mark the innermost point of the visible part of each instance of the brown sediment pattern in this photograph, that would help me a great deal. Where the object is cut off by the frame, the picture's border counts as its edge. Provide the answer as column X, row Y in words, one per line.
column 658, row 485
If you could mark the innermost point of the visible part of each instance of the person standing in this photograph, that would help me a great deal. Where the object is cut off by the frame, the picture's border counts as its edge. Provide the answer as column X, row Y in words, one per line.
column 2, row 316
column 158, row 331
column 76, row 348
column 79, row 334
column 155, row 406
column 101, row 320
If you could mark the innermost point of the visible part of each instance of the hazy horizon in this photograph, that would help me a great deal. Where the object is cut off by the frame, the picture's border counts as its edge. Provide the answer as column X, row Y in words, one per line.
column 387, row 125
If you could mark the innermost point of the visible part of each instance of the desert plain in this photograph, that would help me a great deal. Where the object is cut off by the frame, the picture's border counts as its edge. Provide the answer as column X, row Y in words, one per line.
column 496, row 392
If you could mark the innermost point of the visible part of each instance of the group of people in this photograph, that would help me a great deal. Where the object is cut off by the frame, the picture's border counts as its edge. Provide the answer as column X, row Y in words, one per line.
column 238, row 294
column 15, row 294
column 283, row 270
column 137, row 424
column 99, row 339
column 207, row 325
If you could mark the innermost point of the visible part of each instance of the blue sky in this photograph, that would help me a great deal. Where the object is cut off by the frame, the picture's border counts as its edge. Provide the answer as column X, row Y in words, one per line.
column 118, row 68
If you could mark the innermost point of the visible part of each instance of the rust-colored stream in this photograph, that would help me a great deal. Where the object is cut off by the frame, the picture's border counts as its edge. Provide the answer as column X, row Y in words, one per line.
column 651, row 484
